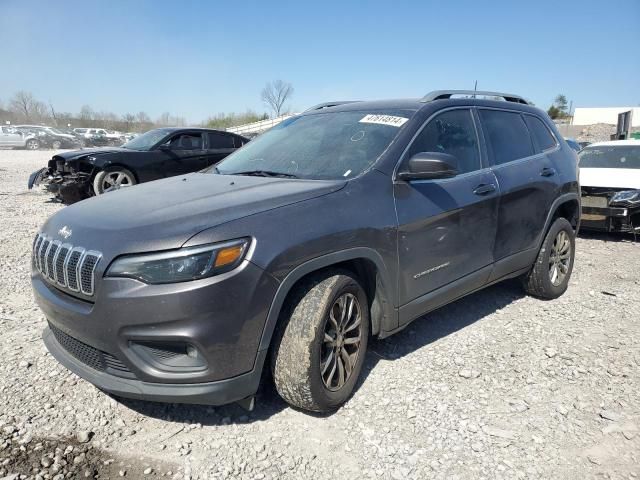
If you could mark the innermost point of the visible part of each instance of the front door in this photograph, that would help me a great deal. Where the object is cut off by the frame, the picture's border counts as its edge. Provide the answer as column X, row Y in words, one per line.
column 447, row 226
column 185, row 154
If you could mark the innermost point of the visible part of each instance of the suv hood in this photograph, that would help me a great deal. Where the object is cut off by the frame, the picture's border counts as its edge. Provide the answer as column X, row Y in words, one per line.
column 164, row 214
column 610, row 177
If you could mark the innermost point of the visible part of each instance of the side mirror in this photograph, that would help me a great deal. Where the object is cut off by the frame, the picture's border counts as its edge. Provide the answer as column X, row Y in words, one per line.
column 429, row 165
column 164, row 147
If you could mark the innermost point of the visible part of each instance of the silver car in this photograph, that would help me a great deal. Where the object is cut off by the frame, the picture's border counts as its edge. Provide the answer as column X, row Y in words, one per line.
column 12, row 138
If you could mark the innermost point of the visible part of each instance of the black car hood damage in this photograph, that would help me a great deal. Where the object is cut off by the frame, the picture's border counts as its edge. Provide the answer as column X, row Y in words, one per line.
column 164, row 214
column 85, row 152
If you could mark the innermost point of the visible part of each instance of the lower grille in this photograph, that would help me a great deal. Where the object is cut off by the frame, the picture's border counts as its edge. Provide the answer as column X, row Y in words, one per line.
column 96, row 359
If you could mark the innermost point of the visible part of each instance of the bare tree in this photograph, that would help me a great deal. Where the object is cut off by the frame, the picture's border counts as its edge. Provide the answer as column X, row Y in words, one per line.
column 22, row 104
column 86, row 116
column 275, row 94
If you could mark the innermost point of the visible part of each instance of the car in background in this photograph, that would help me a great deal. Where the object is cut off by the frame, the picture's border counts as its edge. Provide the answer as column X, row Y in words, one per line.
column 11, row 137
column 51, row 137
column 610, row 184
column 573, row 144
column 159, row 153
column 584, row 144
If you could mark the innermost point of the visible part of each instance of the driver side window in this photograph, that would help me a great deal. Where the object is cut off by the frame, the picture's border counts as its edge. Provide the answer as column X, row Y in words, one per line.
column 186, row 141
column 451, row 132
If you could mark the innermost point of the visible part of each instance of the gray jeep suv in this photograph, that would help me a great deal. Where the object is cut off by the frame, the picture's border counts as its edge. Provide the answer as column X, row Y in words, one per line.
column 341, row 224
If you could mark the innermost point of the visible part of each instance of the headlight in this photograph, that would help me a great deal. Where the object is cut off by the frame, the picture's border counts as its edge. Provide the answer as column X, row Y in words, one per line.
column 631, row 196
column 181, row 265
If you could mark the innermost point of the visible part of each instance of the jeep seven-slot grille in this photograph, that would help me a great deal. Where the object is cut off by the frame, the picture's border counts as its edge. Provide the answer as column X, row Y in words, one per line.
column 65, row 265
column 96, row 359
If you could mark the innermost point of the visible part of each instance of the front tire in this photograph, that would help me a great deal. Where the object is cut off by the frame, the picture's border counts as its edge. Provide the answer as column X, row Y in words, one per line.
column 32, row 144
column 111, row 179
column 321, row 343
column 550, row 274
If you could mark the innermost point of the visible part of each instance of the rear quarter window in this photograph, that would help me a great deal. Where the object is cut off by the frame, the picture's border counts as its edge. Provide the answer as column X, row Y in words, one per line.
column 540, row 132
column 507, row 135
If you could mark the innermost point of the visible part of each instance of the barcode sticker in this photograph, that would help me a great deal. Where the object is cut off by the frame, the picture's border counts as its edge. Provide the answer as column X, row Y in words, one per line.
column 390, row 120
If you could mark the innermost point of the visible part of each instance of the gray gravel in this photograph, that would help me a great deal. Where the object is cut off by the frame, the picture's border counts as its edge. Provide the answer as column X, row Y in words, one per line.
column 495, row 386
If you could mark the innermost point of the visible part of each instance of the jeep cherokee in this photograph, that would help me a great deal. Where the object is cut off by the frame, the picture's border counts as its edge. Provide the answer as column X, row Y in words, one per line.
column 341, row 224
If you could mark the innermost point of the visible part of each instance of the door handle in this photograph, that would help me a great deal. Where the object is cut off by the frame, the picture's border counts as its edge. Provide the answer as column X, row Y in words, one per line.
column 548, row 172
column 484, row 188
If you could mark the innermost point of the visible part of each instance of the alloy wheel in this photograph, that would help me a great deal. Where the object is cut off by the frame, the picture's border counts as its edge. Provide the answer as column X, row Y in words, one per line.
column 559, row 258
column 116, row 180
column 341, row 343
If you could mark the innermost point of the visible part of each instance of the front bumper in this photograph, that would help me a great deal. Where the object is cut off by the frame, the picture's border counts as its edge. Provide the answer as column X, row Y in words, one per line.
column 221, row 317
column 67, row 187
column 210, row 393
column 610, row 219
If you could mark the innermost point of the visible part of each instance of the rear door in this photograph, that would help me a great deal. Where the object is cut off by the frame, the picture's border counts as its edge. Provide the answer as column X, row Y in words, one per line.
column 526, row 178
column 447, row 226
column 219, row 145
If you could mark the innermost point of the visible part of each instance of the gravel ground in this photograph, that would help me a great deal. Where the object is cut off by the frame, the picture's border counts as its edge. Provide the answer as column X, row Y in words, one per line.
column 495, row 386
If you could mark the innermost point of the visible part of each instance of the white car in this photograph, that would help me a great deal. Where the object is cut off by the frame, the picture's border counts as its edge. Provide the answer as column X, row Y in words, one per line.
column 12, row 138
column 610, row 183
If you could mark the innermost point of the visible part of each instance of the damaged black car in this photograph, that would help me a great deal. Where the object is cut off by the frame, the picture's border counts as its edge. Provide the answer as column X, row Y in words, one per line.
column 159, row 153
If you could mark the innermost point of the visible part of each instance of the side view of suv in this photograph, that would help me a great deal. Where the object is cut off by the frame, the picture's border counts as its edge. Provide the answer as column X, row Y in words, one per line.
column 338, row 225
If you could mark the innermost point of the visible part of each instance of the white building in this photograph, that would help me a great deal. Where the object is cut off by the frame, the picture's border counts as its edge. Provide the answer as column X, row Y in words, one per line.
column 591, row 116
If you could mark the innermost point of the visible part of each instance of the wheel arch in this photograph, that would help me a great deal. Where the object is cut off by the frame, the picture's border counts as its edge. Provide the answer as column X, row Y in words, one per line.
column 565, row 206
column 365, row 263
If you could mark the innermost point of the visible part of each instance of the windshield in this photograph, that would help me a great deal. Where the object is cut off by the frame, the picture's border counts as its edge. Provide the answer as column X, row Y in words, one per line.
column 622, row 156
column 320, row 146
column 147, row 140
column 55, row 130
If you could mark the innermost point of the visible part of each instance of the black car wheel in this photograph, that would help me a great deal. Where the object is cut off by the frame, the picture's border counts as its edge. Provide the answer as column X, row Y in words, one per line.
column 321, row 343
column 32, row 144
column 550, row 274
column 56, row 144
column 111, row 179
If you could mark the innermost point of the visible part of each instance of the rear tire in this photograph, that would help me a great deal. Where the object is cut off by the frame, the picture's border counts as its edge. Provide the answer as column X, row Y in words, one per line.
column 549, row 277
column 56, row 145
column 318, row 352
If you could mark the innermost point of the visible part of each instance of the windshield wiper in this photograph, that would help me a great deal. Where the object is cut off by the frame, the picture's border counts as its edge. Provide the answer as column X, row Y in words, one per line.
column 265, row 173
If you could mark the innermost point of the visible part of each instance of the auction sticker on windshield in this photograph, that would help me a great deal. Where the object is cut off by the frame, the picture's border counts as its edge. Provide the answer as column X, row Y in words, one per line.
column 390, row 120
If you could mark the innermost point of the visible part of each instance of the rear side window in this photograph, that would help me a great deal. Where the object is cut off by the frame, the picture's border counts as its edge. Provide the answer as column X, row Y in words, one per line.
column 540, row 132
column 507, row 135
column 450, row 132
column 220, row 140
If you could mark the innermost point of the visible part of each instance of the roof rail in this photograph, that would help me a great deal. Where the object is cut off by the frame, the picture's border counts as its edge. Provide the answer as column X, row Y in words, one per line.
column 320, row 106
column 444, row 94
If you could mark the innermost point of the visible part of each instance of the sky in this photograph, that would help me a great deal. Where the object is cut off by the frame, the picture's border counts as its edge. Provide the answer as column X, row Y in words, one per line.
column 197, row 58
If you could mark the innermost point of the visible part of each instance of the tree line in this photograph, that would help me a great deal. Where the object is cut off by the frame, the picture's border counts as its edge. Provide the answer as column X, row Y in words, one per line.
column 24, row 108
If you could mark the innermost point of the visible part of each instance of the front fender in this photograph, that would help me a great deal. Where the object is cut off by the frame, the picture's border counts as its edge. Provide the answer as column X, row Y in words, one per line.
column 388, row 314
